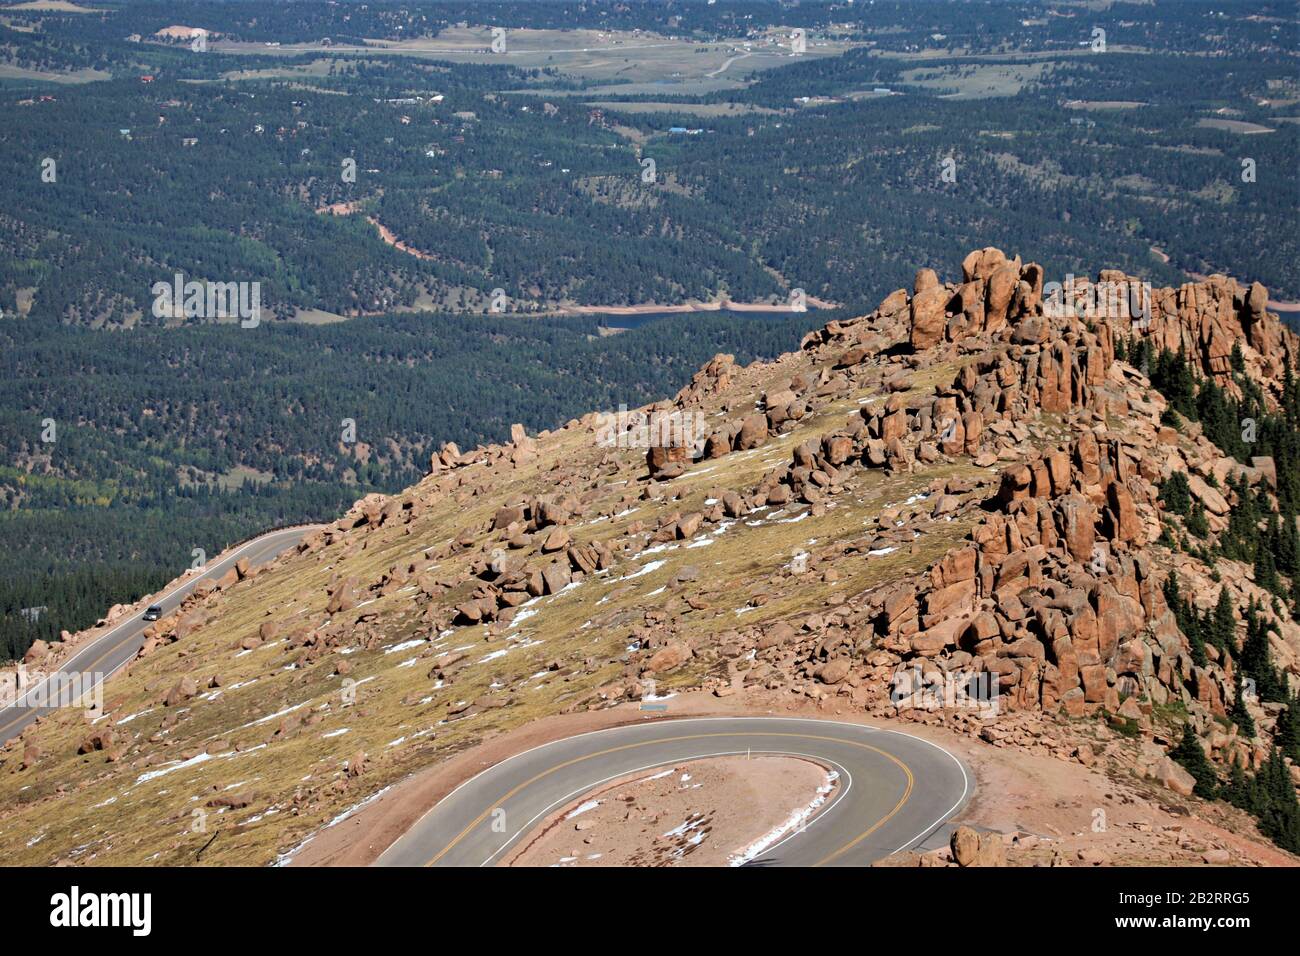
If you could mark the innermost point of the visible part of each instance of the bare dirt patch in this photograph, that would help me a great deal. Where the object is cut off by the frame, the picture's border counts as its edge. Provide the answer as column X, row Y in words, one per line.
column 387, row 235
column 715, row 306
column 53, row 6
column 696, row 813
column 1235, row 126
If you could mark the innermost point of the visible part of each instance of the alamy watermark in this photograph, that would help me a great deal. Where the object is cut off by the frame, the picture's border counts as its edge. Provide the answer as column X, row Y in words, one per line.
column 208, row 300
column 680, row 428
column 913, row 688
column 1109, row 299
column 38, row 690
column 133, row 911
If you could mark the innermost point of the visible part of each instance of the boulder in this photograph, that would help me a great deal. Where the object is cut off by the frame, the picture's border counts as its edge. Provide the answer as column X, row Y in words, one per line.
column 834, row 671
column 1170, row 774
column 970, row 848
column 928, row 317
column 753, row 432
column 669, row 658
column 181, row 691
column 556, row 576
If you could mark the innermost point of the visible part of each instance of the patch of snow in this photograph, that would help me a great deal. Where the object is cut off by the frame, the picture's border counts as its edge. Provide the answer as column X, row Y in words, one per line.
column 284, row 858
column 582, row 808
column 797, row 819
column 647, row 569
column 166, row 769
column 657, row 549
column 522, row 615
column 270, row 717
column 404, row 645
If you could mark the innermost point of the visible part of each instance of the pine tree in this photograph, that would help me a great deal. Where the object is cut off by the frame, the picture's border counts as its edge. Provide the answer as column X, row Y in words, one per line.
column 1189, row 622
column 1287, row 732
column 1256, row 659
column 1265, row 569
column 1175, row 494
column 1241, row 540
column 1286, row 545
column 1279, row 814
column 1191, row 756
column 1224, row 631
column 1237, row 791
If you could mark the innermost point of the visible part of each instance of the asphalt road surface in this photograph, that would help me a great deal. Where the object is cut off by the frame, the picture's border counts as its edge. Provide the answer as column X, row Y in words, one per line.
column 107, row 654
column 894, row 791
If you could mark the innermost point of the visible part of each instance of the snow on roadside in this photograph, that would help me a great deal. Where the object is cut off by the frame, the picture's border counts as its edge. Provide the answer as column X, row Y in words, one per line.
column 582, row 808
column 797, row 819
column 285, row 858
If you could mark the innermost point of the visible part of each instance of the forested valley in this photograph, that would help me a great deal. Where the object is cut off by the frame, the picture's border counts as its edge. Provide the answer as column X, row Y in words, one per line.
column 421, row 229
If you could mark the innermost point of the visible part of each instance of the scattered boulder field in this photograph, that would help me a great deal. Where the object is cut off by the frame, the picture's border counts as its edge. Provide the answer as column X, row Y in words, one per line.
column 961, row 484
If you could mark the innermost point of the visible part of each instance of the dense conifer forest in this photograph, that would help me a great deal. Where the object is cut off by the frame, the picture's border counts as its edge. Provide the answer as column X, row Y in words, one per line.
column 419, row 230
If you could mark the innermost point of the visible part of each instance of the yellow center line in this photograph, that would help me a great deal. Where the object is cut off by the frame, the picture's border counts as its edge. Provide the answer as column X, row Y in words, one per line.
column 89, row 668
column 83, row 669
column 907, row 792
column 270, row 540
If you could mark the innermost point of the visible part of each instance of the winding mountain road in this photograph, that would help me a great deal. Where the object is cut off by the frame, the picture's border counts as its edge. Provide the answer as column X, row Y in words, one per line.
column 894, row 791
column 107, row 654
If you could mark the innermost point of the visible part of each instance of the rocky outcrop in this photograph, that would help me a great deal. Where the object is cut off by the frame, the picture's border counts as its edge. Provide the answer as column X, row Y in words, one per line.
column 1204, row 320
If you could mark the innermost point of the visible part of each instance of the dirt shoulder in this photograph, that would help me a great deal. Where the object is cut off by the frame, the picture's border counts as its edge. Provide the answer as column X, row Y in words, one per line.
column 709, row 812
column 1049, row 810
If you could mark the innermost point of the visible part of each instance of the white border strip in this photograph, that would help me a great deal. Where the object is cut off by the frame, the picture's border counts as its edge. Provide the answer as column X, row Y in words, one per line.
column 661, row 721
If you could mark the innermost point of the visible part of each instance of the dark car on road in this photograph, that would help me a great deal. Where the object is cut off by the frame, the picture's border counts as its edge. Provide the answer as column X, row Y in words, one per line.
column 153, row 612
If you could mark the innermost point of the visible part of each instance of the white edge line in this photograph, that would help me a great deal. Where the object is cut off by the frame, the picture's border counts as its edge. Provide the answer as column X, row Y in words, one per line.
column 69, row 669
column 659, row 721
column 841, row 792
column 947, row 814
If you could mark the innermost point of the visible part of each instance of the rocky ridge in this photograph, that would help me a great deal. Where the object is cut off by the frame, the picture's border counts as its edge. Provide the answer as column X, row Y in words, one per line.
column 975, row 467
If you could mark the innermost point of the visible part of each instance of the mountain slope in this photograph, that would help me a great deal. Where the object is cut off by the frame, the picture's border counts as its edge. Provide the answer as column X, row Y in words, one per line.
column 965, row 482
